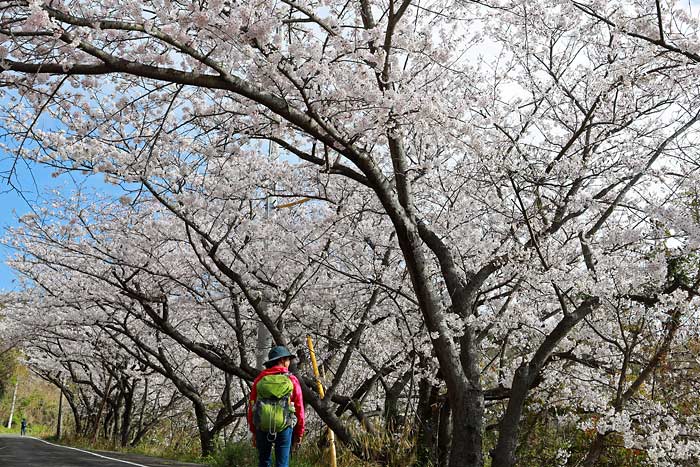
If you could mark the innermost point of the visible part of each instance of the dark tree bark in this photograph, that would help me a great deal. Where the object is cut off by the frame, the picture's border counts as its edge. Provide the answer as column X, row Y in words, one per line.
column 205, row 434
column 594, row 451
column 426, row 424
column 392, row 415
column 444, row 445
column 125, row 433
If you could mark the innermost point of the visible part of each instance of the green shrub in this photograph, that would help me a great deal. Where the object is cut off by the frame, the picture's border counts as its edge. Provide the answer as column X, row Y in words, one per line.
column 233, row 454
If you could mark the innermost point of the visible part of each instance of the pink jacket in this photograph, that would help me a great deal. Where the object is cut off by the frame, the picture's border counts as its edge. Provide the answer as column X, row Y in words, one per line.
column 296, row 399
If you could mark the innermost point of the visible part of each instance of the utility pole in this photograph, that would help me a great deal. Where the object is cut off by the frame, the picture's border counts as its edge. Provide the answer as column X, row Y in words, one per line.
column 12, row 409
column 264, row 338
column 264, row 341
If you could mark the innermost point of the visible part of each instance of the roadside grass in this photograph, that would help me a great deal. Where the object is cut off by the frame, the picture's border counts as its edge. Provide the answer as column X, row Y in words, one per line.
column 160, row 450
column 37, row 430
column 386, row 449
column 243, row 454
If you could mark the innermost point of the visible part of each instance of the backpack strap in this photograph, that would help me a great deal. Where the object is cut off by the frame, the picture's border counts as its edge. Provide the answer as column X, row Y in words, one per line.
column 290, row 417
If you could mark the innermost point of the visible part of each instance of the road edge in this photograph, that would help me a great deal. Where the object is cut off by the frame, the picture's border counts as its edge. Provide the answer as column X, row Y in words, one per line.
column 87, row 452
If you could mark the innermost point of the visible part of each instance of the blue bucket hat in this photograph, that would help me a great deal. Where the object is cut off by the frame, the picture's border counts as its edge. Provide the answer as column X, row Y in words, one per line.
column 276, row 353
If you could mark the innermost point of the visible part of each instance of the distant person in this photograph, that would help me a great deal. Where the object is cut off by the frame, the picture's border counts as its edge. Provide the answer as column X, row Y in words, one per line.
column 276, row 410
column 23, row 427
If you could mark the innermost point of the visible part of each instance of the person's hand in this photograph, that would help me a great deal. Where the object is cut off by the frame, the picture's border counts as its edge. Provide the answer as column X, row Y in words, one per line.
column 254, row 445
column 296, row 442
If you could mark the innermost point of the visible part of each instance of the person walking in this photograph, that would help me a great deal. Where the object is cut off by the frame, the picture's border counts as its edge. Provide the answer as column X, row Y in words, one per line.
column 276, row 410
column 23, row 427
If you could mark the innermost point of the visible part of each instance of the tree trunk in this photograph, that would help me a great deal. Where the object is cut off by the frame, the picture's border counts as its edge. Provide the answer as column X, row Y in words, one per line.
column 205, row 435
column 70, row 398
column 392, row 416
column 466, row 400
column 142, row 410
column 444, row 444
column 116, row 425
column 79, row 426
column 107, row 425
column 509, row 426
column 102, row 406
column 459, row 367
column 426, row 424
column 526, row 375
column 595, row 451
column 59, row 422
column 467, row 406
column 126, row 417
column 142, row 432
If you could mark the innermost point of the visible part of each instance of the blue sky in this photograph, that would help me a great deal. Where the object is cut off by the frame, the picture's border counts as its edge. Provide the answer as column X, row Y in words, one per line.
column 12, row 205
column 32, row 183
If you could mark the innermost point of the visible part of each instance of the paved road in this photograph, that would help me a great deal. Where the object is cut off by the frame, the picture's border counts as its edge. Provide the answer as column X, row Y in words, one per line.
column 32, row 452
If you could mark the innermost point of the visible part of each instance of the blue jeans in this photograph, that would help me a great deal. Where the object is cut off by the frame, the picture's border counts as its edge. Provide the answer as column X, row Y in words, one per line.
column 283, row 447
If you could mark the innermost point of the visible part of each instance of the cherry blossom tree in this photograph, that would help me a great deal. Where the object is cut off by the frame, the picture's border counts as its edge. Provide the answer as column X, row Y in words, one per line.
column 122, row 267
column 91, row 373
column 513, row 174
column 94, row 366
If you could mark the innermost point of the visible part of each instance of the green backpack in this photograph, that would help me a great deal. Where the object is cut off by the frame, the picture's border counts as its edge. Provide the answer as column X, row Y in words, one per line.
column 273, row 411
